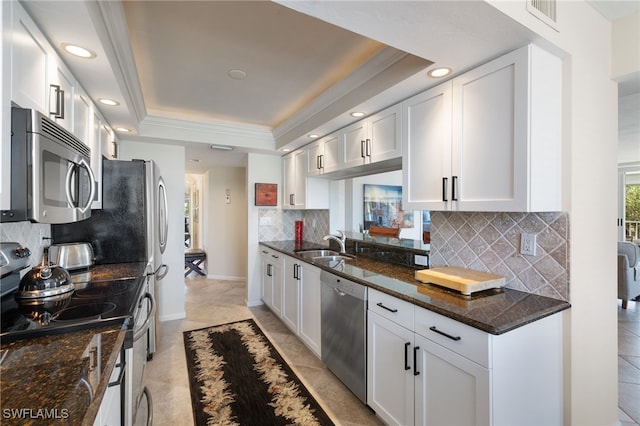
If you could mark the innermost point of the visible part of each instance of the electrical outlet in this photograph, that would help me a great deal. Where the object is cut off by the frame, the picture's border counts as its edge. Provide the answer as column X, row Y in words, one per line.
column 421, row 260
column 528, row 244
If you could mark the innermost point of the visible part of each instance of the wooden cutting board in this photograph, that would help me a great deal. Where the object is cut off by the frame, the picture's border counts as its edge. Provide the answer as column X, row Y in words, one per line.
column 463, row 280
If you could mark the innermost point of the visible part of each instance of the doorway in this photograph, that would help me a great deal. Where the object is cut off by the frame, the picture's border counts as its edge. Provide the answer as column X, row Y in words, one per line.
column 629, row 202
column 193, row 203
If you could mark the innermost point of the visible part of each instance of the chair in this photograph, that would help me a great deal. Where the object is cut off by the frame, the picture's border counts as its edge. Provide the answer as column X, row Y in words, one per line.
column 192, row 260
column 379, row 231
column 628, row 272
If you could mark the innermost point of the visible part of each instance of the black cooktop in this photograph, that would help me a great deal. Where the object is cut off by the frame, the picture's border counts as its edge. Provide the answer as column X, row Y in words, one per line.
column 92, row 303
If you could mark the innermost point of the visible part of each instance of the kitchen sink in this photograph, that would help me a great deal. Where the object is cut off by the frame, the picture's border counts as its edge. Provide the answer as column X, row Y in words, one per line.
column 312, row 254
column 330, row 256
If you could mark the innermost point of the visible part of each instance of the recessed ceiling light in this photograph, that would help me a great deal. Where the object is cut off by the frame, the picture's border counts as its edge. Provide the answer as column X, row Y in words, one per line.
column 237, row 74
column 222, row 147
column 314, row 136
column 440, row 72
column 123, row 129
column 357, row 114
column 109, row 102
column 286, row 149
column 78, row 51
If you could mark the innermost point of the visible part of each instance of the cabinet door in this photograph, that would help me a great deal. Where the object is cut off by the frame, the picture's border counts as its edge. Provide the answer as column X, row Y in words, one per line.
column 61, row 96
column 385, row 141
column 266, row 278
column 310, row 309
column 315, row 151
column 389, row 370
column 331, row 156
column 353, row 141
column 427, row 149
column 300, row 182
column 449, row 389
column 289, row 178
column 489, row 158
column 30, row 63
column 82, row 120
column 291, row 293
column 276, row 276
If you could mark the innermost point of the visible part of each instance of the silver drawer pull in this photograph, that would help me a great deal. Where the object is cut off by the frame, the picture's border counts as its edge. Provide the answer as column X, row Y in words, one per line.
column 388, row 309
column 456, row 338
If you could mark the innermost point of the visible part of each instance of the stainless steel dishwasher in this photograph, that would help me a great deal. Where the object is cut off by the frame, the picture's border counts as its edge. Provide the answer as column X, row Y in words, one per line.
column 344, row 331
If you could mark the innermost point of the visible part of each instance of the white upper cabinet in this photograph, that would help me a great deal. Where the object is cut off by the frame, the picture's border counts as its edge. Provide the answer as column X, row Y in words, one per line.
column 427, row 153
column 376, row 138
column 62, row 100
column 30, row 62
column 323, row 155
column 300, row 191
column 502, row 152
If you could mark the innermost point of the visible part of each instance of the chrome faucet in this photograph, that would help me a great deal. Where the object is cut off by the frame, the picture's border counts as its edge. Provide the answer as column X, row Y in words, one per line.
column 340, row 239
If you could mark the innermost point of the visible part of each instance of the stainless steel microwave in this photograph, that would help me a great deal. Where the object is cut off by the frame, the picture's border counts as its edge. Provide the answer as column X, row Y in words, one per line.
column 51, row 179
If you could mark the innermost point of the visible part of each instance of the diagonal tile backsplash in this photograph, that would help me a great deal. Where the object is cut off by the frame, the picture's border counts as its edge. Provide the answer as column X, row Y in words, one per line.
column 490, row 242
column 282, row 224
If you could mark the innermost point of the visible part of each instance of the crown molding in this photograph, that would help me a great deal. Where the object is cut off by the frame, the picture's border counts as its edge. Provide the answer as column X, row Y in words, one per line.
column 111, row 26
column 224, row 133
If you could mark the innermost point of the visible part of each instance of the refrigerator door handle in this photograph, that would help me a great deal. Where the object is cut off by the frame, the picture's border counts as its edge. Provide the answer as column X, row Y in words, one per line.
column 161, row 272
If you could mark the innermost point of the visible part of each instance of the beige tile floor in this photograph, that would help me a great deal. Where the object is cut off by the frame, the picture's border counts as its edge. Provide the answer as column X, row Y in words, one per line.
column 629, row 364
column 211, row 302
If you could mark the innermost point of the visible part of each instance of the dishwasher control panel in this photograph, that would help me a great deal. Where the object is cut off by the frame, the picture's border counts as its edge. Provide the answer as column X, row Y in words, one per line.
column 342, row 284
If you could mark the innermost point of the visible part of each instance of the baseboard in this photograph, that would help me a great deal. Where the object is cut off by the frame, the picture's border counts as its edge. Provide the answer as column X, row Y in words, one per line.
column 254, row 303
column 179, row 315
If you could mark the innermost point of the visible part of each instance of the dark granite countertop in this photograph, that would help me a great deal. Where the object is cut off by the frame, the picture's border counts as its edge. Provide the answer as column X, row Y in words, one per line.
column 50, row 379
column 495, row 311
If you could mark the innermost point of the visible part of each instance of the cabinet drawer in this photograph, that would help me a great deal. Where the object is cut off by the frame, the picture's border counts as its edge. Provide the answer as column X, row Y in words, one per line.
column 460, row 338
column 392, row 308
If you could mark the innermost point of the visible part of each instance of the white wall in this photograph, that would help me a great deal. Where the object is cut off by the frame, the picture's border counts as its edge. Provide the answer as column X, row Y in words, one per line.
column 261, row 168
column 170, row 159
column 225, row 230
column 629, row 128
column 625, row 57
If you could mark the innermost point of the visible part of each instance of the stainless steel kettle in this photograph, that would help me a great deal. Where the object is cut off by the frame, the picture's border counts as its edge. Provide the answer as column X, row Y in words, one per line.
column 44, row 280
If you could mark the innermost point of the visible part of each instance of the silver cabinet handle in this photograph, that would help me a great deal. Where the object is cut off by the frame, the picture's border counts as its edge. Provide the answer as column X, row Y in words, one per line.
column 59, row 112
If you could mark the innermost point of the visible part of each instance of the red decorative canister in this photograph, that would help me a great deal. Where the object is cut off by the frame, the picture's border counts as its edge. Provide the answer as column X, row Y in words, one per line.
column 298, row 230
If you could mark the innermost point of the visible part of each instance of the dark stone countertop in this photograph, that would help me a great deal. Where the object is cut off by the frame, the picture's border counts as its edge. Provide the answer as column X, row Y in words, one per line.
column 43, row 379
column 43, row 376
column 495, row 311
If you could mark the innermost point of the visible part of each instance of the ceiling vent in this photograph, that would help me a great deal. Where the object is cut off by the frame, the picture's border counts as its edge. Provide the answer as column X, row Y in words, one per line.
column 545, row 10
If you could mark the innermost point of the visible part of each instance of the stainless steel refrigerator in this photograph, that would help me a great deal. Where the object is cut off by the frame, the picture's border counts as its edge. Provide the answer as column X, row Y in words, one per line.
column 132, row 225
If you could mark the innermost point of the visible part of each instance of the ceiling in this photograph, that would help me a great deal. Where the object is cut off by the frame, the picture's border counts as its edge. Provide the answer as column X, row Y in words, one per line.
column 167, row 63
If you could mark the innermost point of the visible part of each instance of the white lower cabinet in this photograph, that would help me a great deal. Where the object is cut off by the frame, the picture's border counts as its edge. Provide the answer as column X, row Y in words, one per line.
column 110, row 412
column 390, row 381
column 310, row 309
column 291, row 293
column 271, row 279
column 291, row 289
column 427, row 369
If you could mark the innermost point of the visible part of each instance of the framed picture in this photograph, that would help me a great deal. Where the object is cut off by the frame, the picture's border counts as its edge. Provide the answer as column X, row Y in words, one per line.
column 383, row 207
column 266, row 194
